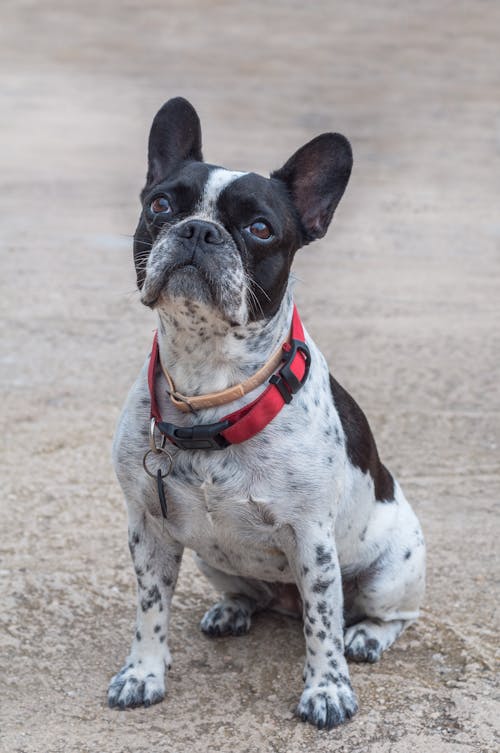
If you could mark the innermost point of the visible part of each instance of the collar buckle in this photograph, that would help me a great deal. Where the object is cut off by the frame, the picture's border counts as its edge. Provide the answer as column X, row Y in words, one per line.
column 198, row 437
column 285, row 380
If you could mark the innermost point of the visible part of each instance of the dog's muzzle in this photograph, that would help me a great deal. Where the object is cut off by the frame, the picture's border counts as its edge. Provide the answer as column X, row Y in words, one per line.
column 198, row 260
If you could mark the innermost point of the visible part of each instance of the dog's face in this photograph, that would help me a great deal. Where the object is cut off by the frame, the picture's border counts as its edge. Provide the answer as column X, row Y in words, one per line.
column 226, row 239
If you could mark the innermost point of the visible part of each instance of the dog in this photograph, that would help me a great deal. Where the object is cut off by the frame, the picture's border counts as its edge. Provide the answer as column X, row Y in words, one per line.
column 237, row 443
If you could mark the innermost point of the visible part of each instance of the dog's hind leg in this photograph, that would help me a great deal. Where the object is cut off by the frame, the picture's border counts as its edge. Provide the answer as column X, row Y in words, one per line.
column 241, row 597
column 386, row 597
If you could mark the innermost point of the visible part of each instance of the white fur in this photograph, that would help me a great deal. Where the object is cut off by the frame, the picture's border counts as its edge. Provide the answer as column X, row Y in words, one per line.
column 217, row 181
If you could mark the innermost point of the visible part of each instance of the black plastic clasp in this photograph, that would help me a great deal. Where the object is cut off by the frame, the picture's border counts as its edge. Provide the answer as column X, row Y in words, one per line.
column 198, row 437
column 285, row 380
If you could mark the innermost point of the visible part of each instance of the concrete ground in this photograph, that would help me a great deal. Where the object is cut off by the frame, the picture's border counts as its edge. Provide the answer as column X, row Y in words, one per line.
column 403, row 296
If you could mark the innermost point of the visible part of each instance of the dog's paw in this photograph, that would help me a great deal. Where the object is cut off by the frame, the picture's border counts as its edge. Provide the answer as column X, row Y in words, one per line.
column 361, row 646
column 328, row 706
column 136, row 685
column 226, row 618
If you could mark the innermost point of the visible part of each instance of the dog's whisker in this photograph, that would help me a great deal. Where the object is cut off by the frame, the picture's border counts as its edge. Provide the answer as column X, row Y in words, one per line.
column 256, row 284
column 253, row 301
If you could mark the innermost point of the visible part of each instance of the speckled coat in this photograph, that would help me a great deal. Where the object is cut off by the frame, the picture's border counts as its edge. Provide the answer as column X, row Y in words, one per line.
column 303, row 517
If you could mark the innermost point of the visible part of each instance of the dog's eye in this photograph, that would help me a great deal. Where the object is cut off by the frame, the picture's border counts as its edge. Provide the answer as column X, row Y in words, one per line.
column 260, row 230
column 160, row 204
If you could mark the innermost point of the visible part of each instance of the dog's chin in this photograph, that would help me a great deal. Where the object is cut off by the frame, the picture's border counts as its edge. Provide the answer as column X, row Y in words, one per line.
column 186, row 282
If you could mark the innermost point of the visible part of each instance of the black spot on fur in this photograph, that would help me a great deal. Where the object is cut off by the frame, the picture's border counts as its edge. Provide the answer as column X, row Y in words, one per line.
column 320, row 586
column 321, row 606
column 216, row 613
column 157, row 628
column 152, row 597
column 322, row 557
column 133, row 541
column 321, row 635
column 407, row 554
column 138, row 635
column 360, row 444
column 328, row 677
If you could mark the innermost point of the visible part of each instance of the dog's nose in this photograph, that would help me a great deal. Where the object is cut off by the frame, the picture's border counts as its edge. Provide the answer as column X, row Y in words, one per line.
column 201, row 233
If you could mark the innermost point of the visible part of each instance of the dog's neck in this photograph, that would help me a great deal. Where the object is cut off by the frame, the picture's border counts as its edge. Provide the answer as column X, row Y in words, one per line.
column 203, row 353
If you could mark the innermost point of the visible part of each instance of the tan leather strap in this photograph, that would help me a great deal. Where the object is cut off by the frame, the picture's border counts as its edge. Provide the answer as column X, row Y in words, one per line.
column 198, row 402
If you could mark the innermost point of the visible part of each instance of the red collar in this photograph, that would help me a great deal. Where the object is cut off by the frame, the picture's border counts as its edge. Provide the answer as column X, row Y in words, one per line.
column 247, row 421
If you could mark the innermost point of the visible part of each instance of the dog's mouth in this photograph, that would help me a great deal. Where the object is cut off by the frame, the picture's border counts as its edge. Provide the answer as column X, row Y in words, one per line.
column 184, row 279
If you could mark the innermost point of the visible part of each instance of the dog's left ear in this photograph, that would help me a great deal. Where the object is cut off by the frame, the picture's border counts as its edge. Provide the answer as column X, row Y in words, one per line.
column 316, row 177
column 175, row 136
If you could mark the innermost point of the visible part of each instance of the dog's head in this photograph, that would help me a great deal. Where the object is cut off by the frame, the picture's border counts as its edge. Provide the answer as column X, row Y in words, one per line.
column 227, row 239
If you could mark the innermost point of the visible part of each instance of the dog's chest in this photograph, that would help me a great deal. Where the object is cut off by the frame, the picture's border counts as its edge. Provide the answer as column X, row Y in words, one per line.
column 227, row 516
column 232, row 507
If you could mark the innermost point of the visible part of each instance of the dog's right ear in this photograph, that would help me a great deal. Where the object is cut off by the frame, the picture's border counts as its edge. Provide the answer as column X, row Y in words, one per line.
column 175, row 136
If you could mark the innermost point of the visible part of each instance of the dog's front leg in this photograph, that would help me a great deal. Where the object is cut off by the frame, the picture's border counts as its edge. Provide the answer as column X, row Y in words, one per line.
column 328, row 698
column 156, row 558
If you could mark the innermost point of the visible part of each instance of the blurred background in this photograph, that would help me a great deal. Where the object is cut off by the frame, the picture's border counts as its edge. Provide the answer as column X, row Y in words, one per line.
column 402, row 296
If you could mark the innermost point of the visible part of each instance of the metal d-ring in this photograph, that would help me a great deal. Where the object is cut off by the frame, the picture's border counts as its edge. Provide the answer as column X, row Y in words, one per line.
column 152, row 442
column 158, row 451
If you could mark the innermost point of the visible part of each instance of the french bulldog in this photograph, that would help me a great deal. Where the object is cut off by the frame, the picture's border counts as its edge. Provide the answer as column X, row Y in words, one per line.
column 275, row 485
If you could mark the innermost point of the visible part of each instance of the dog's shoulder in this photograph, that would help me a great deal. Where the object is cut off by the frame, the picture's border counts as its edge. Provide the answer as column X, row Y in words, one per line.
column 359, row 441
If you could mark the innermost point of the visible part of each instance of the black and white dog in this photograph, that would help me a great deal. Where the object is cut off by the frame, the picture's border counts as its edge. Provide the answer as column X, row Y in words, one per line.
column 296, row 514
